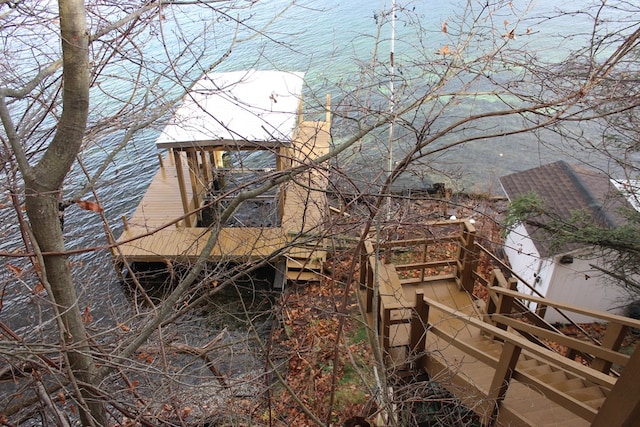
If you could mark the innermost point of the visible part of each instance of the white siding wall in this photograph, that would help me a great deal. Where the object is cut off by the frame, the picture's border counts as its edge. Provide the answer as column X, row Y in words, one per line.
column 576, row 283
column 525, row 260
column 581, row 285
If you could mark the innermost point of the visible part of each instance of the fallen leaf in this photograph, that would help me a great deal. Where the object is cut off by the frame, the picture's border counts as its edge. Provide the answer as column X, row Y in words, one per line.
column 86, row 315
column 38, row 288
column 88, row 205
column 15, row 270
column 124, row 327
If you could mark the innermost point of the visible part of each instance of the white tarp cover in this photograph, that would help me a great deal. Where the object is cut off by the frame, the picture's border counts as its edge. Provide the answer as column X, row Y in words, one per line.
column 238, row 106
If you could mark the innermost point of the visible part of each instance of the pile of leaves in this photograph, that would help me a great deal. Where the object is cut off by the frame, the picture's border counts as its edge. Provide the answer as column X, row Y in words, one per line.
column 320, row 361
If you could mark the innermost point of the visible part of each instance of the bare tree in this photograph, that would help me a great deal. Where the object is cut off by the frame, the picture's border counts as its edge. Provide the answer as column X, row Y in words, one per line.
column 476, row 78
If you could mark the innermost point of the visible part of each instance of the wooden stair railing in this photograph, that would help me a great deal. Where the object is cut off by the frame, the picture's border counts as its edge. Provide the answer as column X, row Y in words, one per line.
column 604, row 356
column 540, row 374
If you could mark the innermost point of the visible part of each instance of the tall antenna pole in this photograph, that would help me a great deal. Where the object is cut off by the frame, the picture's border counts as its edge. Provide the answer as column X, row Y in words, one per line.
column 391, row 100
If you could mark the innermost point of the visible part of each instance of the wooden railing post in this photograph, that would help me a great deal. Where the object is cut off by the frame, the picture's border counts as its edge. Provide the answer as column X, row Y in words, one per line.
column 419, row 326
column 386, row 329
column 612, row 340
column 622, row 407
column 502, row 377
column 467, row 257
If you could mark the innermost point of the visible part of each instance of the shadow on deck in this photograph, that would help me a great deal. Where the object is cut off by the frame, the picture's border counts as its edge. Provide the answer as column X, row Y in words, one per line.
column 493, row 355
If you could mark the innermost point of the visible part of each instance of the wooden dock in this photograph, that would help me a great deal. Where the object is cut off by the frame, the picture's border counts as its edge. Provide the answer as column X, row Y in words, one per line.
column 158, row 230
column 493, row 356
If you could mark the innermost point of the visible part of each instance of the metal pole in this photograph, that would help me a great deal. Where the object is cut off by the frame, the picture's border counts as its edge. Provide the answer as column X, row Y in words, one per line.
column 391, row 101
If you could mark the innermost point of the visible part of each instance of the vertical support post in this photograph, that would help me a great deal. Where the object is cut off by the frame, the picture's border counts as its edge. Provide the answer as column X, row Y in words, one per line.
column 282, row 193
column 468, row 258
column 206, row 169
column 419, row 327
column 328, row 109
column 182, row 185
column 300, row 116
column 622, row 407
column 424, row 260
column 386, row 329
column 502, row 377
column 368, row 279
column 160, row 160
column 500, row 303
column 612, row 340
column 196, row 181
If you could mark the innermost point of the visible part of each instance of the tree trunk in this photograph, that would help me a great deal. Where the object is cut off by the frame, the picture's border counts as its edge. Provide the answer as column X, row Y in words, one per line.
column 43, row 191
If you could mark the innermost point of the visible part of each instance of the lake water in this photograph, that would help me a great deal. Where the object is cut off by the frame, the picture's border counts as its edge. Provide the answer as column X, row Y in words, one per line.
column 332, row 41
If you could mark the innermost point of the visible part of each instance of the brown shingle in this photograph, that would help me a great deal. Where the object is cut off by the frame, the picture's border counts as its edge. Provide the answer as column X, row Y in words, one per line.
column 564, row 190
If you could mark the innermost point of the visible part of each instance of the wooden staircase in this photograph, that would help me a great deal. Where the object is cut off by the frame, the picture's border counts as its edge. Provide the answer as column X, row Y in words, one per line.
column 494, row 357
column 507, row 385
column 305, row 263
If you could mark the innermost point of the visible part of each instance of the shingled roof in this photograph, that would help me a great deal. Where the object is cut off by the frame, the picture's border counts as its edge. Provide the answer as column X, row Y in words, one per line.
column 565, row 189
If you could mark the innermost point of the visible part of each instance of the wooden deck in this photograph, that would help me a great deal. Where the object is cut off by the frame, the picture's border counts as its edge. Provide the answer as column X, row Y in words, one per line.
column 157, row 231
column 492, row 357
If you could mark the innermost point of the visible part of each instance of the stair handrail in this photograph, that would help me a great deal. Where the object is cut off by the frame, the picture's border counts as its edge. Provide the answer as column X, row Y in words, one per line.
column 505, row 367
column 539, row 319
column 617, row 327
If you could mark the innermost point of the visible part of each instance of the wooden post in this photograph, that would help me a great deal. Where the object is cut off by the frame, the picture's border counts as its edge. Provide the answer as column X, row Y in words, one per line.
column 424, row 260
column 468, row 258
column 182, row 186
column 124, row 222
column 502, row 377
column 327, row 109
column 419, row 327
column 368, row 279
column 300, row 116
column 282, row 193
column 160, row 160
column 622, row 407
column 195, row 177
column 612, row 340
column 206, row 169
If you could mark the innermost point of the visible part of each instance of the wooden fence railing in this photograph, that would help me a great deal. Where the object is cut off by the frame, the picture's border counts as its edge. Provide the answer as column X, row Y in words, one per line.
column 381, row 279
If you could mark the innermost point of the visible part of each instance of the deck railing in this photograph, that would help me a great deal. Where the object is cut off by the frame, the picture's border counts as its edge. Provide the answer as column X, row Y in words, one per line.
column 382, row 279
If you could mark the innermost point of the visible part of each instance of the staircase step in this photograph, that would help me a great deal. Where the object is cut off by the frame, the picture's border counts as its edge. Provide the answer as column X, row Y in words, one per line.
column 485, row 344
column 550, row 416
column 524, row 363
column 596, row 403
column 304, row 276
column 553, row 377
column 568, row 385
column 585, row 394
column 537, row 410
column 536, row 371
column 303, row 264
column 305, row 253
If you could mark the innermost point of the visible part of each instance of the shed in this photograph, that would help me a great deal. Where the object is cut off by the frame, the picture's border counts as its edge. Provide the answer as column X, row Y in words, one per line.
column 565, row 272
